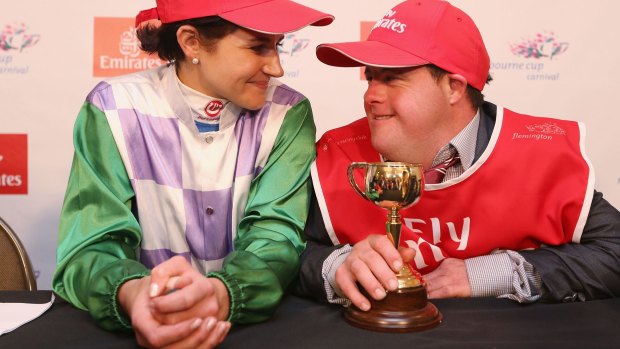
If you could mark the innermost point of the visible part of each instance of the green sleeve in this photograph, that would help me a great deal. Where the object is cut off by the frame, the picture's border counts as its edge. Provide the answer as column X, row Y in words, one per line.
column 268, row 242
column 98, row 234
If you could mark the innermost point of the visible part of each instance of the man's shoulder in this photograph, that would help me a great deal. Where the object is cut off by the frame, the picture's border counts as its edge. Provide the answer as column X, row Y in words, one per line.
column 356, row 128
column 351, row 141
column 491, row 110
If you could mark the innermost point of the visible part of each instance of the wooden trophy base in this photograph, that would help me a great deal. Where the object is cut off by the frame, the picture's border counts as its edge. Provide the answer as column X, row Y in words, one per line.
column 404, row 310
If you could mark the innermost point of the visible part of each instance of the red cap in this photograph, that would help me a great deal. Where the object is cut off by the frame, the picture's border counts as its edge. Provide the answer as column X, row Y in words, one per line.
column 265, row 16
column 418, row 32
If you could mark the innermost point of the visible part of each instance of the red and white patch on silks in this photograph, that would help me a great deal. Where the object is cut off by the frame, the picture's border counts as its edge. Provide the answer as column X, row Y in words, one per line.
column 214, row 108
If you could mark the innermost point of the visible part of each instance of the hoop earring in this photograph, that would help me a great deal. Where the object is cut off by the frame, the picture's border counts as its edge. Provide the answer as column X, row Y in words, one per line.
column 195, row 60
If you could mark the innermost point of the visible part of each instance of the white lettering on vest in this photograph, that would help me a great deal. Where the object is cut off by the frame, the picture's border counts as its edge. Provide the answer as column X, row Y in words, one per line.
column 464, row 233
column 437, row 235
column 419, row 258
column 535, row 136
column 436, row 224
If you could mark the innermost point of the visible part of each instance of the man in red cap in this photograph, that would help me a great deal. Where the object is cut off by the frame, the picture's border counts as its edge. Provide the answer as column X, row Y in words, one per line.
column 495, row 219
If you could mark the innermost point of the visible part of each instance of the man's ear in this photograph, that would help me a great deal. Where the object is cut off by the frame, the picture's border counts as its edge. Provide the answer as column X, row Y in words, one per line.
column 457, row 87
column 188, row 39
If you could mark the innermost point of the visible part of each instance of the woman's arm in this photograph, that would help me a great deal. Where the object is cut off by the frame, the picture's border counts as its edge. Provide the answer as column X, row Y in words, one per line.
column 269, row 242
column 98, row 233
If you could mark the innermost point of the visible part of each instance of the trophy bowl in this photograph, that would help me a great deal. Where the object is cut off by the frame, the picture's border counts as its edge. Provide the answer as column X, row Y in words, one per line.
column 394, row 186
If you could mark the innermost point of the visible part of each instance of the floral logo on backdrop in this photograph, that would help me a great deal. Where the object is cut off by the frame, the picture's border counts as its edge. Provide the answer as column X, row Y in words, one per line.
column 544, row 45
column 292, row 45
column 16, row 37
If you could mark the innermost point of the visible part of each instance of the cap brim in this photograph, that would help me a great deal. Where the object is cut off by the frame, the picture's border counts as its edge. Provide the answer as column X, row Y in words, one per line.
column 277, row 17
column 371, row 53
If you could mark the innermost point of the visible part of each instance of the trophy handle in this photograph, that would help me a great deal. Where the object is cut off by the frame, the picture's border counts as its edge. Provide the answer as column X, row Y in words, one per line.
column 352, row 167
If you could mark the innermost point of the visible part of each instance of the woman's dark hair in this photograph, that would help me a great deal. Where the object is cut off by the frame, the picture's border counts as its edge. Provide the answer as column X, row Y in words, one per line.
column 163, row 39
column 475, row 97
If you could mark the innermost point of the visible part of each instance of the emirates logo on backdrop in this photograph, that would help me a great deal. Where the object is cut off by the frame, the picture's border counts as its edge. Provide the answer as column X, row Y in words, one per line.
column 13, row 164
column 116, row 48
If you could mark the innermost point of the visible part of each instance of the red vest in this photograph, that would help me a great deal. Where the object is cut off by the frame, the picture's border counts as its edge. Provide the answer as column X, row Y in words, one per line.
column 532, row 186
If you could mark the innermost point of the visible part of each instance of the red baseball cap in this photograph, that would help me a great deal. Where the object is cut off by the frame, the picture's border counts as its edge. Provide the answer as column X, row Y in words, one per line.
column 418, row 32
column 265, row 16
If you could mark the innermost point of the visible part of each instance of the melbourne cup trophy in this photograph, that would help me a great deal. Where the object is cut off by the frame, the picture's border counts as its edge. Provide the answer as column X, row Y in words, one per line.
column 394, row 186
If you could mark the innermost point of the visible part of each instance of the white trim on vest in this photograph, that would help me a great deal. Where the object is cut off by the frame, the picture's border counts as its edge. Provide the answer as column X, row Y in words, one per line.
column 587, row 201
column 318, row 190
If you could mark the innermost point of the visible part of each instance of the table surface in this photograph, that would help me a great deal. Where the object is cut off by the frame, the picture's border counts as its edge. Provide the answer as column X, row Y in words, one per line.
column 300, row 323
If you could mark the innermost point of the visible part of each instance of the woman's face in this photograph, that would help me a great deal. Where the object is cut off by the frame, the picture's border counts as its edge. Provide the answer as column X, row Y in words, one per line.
column 238, row 67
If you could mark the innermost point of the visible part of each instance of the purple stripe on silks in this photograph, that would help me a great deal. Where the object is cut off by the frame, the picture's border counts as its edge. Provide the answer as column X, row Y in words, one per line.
column 284, row 95
column 152, row 258
column 102, row 96
column 207, row 230
column 229, row 228
column 154, row 147
column 249, row 133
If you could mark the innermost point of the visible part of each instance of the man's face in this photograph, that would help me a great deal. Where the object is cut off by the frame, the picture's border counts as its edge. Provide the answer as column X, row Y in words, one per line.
column 407, row 112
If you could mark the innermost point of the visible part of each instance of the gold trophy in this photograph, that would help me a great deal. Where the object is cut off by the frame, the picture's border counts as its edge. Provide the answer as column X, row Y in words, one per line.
column 393, row 186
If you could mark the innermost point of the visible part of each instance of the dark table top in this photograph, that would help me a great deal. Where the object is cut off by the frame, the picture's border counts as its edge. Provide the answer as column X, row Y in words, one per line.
column 300, row 323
